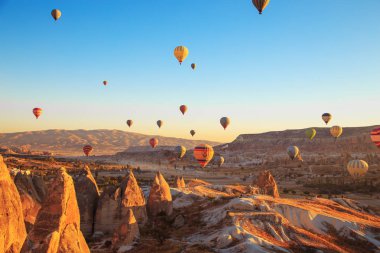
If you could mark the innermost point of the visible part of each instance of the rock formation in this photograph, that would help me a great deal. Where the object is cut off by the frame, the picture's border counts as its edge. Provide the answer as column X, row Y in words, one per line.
column 183, row 184
column 114, row 204
column 32, row 192
column 57, row 227
column 160, row 198
column 12, row 227
column 87, row 193
column 179, row 182
column 127, row 232
column 266, row 184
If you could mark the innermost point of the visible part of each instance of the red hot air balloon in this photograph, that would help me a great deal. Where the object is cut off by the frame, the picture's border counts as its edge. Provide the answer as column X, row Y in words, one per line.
column 375, row 136
column 183, row 109
column 37, row 112
column 153, row 142
column 105, row 83
column 203, row 154
column 87, row 150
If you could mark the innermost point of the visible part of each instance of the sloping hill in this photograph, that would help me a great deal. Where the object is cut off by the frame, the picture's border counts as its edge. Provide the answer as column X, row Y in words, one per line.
column 105, row 142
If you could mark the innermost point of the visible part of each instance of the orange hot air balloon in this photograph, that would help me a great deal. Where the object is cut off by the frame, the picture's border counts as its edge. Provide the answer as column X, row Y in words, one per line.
column 56, row 14
column 87, row 150
column 203, row 154
column 37, row 112
column 129, row 122
column 192, row 132
column 260, row 5
column 183, row 109
column 225, row 122
column 105, row 83
column 153, row 142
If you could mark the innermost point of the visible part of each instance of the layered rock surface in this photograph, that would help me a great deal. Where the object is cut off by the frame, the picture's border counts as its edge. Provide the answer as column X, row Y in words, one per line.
column 57, row 227
column 266, row 184
column 87, row 194
column 127, row 233
column 12, row 227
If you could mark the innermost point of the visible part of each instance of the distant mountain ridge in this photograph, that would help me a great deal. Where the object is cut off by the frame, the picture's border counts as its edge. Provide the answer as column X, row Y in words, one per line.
column 105, row 142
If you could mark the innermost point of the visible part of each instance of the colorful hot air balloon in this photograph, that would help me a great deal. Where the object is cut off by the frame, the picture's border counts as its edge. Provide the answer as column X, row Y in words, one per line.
column 87, row 150
column 375, row 136
column 310, row 133
column 336, row 131
column 56, row 14
column 326, row 117
column 260, row 5
column 203, row 154
column 129, row 122
column 357, row 168
column 193, row 66
column 183, row 109
column 37, row 112
column 105, row 83
column 219, row 160
column 192, row 132
column 225, row 122
column 181, row 53
column 293, row 152
column 160, row 123
column 180, row 151
column 153, row 142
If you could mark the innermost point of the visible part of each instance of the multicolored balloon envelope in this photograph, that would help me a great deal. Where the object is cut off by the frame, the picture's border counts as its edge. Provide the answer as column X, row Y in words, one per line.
column 56, row 14
column 153, row 142
column 225, row 121
column 375, row 136
column 181, row 53
column 180, row 151
column 336, row 131
column 219, row 160
column 260, row 5
column 183, row 109
column 293, row 152
column 310, row 133
column 326, row 117
column 37, row 112
column 87, row 150
column 203, row 154
column 357, row 168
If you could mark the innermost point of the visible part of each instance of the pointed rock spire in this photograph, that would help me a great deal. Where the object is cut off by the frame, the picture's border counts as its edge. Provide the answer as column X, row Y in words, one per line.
column 266, row 184
column 160, row 198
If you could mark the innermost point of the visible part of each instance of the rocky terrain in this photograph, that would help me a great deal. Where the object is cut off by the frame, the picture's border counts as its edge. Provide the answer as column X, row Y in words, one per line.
column 71, row 142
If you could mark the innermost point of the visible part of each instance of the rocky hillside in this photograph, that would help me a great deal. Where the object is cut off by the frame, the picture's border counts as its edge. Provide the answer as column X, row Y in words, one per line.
column 353, row 140
column 71, row 142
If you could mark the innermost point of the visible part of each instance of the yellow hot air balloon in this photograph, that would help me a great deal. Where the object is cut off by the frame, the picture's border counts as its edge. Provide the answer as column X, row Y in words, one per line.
column 310, row 133
column 180, row 152
column 56, row 14
column 293, row 152
column 260, row 5
column 181, row 53
column 203, row 154
column 336, row 131
column 357, row 168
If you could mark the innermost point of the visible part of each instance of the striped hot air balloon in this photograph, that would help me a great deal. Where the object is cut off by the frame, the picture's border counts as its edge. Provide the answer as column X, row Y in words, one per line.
column 37, row 112
column 153, row 142
column 181, row 53
column 357, row 168
column 56, row 14
column 375, row 136
column 87, row 150
column 183, row 109
column 293, row 152
column 260, row 5
column 203, row 154
column 336, row 131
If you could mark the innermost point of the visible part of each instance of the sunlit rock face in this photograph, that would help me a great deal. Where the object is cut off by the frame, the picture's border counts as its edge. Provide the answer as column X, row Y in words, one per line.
column 160, row 198
column 57, row 227
column 12, row 227
column 127, row 233
column 266, row 184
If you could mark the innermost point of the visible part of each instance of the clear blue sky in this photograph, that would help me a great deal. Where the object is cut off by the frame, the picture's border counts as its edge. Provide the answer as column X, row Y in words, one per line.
column 276, row 71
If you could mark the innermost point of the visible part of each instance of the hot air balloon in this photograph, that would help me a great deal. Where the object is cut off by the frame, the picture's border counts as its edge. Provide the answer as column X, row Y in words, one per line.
column 105, row 83
column 153, row 142
column 87, row 150
column 326, row 117
column 310, row 133
column 180, row 151
column 183, row 109
column 293, row 152
column 129, row 122
column 192, row 132
column 357, row 168
column 193, row 66
column 375, row 136
column 219, row 160
column 203, row 154
column 37, row 112
column 160, row 123
column 56, row 14
column 299, row 157
column 225, row 122
column 260, row 5
column 336, row 131
column 181, row 53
